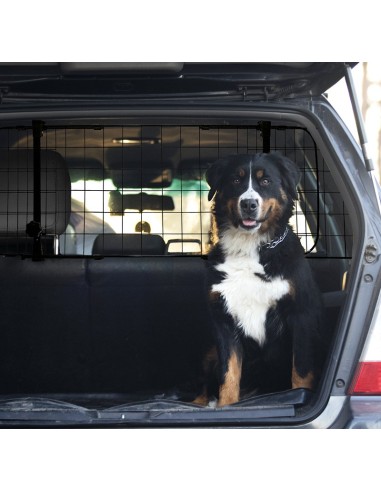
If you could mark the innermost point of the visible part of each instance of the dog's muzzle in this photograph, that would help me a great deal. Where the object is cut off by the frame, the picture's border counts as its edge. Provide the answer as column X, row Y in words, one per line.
column 249, row 212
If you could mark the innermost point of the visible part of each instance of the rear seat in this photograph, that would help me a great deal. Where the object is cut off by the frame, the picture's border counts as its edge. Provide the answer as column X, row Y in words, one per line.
column 110, row 325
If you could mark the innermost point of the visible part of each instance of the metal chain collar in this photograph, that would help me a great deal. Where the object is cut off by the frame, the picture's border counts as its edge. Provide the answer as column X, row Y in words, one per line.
column 274, row 243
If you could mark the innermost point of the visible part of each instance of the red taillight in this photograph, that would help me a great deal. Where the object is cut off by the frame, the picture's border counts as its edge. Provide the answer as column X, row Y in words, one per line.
column 367, row 380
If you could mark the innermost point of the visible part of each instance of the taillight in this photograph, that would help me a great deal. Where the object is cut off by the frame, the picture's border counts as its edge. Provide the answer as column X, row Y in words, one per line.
column 367, row 379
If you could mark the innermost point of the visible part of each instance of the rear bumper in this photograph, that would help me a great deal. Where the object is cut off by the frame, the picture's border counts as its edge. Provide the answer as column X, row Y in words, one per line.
column 366, row 412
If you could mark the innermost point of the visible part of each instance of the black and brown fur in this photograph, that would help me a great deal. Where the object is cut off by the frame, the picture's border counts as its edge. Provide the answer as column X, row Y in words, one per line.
column 292, row 352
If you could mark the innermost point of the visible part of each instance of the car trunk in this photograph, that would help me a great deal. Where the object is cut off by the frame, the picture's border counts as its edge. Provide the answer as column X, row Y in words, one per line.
column 104, row 310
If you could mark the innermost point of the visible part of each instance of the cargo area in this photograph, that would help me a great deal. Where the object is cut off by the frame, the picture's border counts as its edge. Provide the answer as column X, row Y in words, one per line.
column 104, row 305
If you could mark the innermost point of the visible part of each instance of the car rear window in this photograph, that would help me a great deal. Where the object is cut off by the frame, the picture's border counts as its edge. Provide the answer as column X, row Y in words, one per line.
column 141, row 190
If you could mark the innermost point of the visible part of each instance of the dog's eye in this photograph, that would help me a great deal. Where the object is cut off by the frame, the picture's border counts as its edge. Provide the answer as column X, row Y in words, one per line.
column 236, row 181
column 264, row 182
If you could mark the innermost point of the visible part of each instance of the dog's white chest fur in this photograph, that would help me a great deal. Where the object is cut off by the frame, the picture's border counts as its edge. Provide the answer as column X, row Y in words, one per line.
column 247, row 296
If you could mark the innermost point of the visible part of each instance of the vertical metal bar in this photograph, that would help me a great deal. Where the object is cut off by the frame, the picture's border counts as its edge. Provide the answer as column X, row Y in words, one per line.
column 265, row 127
column 358, row 118
column 37, row 133
column 34, row 228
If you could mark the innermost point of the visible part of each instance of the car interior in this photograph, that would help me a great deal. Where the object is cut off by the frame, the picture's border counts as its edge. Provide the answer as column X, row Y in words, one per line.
column 111, row 306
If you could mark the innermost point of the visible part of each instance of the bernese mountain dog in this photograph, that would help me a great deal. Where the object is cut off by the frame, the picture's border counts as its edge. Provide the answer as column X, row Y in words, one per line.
column 266, row 309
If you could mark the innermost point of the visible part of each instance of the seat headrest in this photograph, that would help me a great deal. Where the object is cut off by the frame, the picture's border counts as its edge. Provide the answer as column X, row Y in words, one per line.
column 16, row 191
column 128, row 244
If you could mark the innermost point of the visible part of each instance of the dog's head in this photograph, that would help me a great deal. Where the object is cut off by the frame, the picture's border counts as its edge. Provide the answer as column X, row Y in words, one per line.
column 253, row 192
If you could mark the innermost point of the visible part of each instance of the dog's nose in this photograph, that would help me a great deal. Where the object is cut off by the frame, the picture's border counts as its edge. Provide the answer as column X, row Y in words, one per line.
column 249, row 205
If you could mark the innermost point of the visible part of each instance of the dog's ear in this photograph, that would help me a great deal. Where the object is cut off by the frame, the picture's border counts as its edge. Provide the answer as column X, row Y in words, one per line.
column 214, row 175
column 290, row 175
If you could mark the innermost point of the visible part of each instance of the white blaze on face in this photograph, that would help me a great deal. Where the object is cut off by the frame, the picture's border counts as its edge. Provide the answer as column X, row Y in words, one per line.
column 250, row 194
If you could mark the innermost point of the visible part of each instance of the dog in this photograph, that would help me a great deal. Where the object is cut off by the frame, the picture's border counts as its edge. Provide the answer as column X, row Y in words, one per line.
column 266, row 310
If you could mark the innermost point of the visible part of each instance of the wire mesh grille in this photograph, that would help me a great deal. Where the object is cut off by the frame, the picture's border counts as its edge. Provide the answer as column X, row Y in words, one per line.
column 141, row 189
